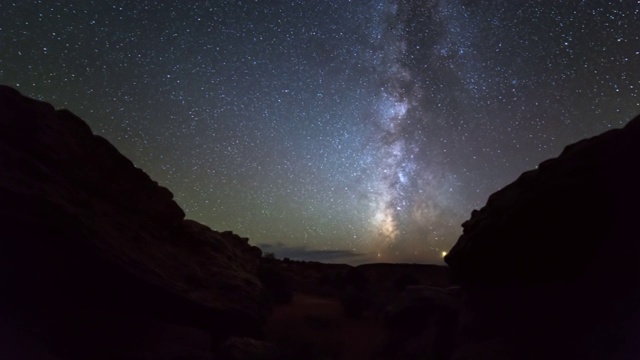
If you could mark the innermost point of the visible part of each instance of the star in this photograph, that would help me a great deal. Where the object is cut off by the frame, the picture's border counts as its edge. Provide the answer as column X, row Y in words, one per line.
column 339, row 130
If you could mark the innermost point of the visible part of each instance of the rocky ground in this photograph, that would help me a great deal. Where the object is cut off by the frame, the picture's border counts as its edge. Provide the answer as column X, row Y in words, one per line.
column 374, row 311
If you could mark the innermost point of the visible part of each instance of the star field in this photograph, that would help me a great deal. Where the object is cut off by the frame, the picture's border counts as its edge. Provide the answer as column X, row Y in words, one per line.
column 340, row 131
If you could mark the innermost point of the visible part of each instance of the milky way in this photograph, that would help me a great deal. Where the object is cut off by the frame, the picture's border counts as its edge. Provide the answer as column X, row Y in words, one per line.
column 348, row 131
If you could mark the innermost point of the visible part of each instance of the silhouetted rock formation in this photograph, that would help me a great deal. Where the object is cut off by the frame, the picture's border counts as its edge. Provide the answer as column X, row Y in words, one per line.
column 551, row 265
column 96, row 259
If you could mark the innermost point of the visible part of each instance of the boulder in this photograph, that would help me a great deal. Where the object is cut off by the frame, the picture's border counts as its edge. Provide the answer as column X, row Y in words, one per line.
column 422, row 323
column 91, row 248
column 549, row 266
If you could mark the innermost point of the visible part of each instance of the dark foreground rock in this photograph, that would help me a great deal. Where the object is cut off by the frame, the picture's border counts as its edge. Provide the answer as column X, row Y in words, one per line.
column 422, row 324
column 97, row 260
column 551, row 265
column 248, row 349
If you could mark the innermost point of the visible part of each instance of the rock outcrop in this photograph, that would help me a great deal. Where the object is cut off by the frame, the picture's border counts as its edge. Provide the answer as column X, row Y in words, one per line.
column 550, row 266
column 422, row 323
column 97, row 260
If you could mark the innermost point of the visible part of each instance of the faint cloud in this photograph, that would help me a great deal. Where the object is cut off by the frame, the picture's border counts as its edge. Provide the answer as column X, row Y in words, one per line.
column 327, row 256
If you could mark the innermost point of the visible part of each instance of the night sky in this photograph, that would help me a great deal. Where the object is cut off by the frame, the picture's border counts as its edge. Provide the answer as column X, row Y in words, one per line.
column 339, row 131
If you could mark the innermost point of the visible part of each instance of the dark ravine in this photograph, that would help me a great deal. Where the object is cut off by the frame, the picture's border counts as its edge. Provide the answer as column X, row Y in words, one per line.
column 97, row 260
column 550, row 265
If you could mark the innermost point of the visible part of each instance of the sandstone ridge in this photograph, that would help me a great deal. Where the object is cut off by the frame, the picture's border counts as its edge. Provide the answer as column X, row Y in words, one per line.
column 91, row 245
column 550, row 264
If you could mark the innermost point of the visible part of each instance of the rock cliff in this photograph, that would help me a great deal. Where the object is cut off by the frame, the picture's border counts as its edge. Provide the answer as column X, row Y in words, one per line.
column 550, row 264
column 97, row 260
